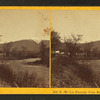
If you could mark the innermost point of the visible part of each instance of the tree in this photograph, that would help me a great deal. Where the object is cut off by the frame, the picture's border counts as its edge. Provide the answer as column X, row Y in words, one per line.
column 71, row 45
column 44, row 54
column 55, row 40
column 42, row 51
column 88, row 49
column 6, row 50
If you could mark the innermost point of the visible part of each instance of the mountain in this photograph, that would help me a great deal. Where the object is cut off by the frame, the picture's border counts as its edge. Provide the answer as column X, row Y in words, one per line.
column 28, row 45
column 95, row 44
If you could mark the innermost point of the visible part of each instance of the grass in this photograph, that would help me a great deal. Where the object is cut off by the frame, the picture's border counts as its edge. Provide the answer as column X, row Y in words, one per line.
column 20, row 78
column 24, row 79
column 6, row 74
column 84, row 72
column 66, row 73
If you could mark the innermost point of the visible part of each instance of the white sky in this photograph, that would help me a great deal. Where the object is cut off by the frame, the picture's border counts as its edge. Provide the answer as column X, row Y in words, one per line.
column 23, row 24
column 86, row 23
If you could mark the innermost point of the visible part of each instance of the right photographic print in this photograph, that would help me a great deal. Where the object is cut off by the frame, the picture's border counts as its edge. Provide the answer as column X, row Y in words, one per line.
column 75, row 48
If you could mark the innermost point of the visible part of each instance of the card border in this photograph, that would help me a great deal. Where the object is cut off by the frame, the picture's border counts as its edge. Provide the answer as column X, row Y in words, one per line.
column 50, row 90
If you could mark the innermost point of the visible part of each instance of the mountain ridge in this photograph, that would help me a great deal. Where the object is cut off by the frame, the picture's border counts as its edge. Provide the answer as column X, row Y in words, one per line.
column 28, row 45
column 96, row 44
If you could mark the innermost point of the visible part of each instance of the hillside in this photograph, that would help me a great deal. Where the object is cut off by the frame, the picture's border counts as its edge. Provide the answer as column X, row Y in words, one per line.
column 96, row 44
column 29, row 45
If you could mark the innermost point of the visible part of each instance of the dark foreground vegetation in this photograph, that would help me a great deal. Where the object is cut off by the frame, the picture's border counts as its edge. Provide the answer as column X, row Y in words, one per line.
column 74, row 74
column 19, row 78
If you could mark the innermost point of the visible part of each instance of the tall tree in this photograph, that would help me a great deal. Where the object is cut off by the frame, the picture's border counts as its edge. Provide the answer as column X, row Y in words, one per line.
column 42, row 51
column 71, row 44
column 55, row 40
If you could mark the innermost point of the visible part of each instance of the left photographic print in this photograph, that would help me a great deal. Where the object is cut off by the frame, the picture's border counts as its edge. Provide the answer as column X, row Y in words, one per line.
column 24, row 48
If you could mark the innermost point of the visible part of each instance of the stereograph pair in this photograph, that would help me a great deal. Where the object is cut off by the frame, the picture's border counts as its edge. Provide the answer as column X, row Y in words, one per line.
column 39, row 46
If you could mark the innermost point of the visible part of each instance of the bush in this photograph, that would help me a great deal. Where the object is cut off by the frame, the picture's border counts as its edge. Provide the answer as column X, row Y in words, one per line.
column 64, row 60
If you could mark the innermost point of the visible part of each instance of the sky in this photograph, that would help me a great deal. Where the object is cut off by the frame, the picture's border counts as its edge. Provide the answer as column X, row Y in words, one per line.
column 78, row 22
column 24, row 24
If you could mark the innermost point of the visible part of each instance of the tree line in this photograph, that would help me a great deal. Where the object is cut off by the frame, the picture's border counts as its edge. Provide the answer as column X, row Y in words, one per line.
column 73, row 48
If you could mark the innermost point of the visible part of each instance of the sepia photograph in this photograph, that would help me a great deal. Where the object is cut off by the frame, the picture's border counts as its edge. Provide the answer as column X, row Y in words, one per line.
column 24, row 48
column 75, row 48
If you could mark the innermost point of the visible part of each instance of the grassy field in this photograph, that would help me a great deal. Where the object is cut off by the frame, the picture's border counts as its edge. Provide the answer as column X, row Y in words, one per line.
column 17, row 73
column 78, row 74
